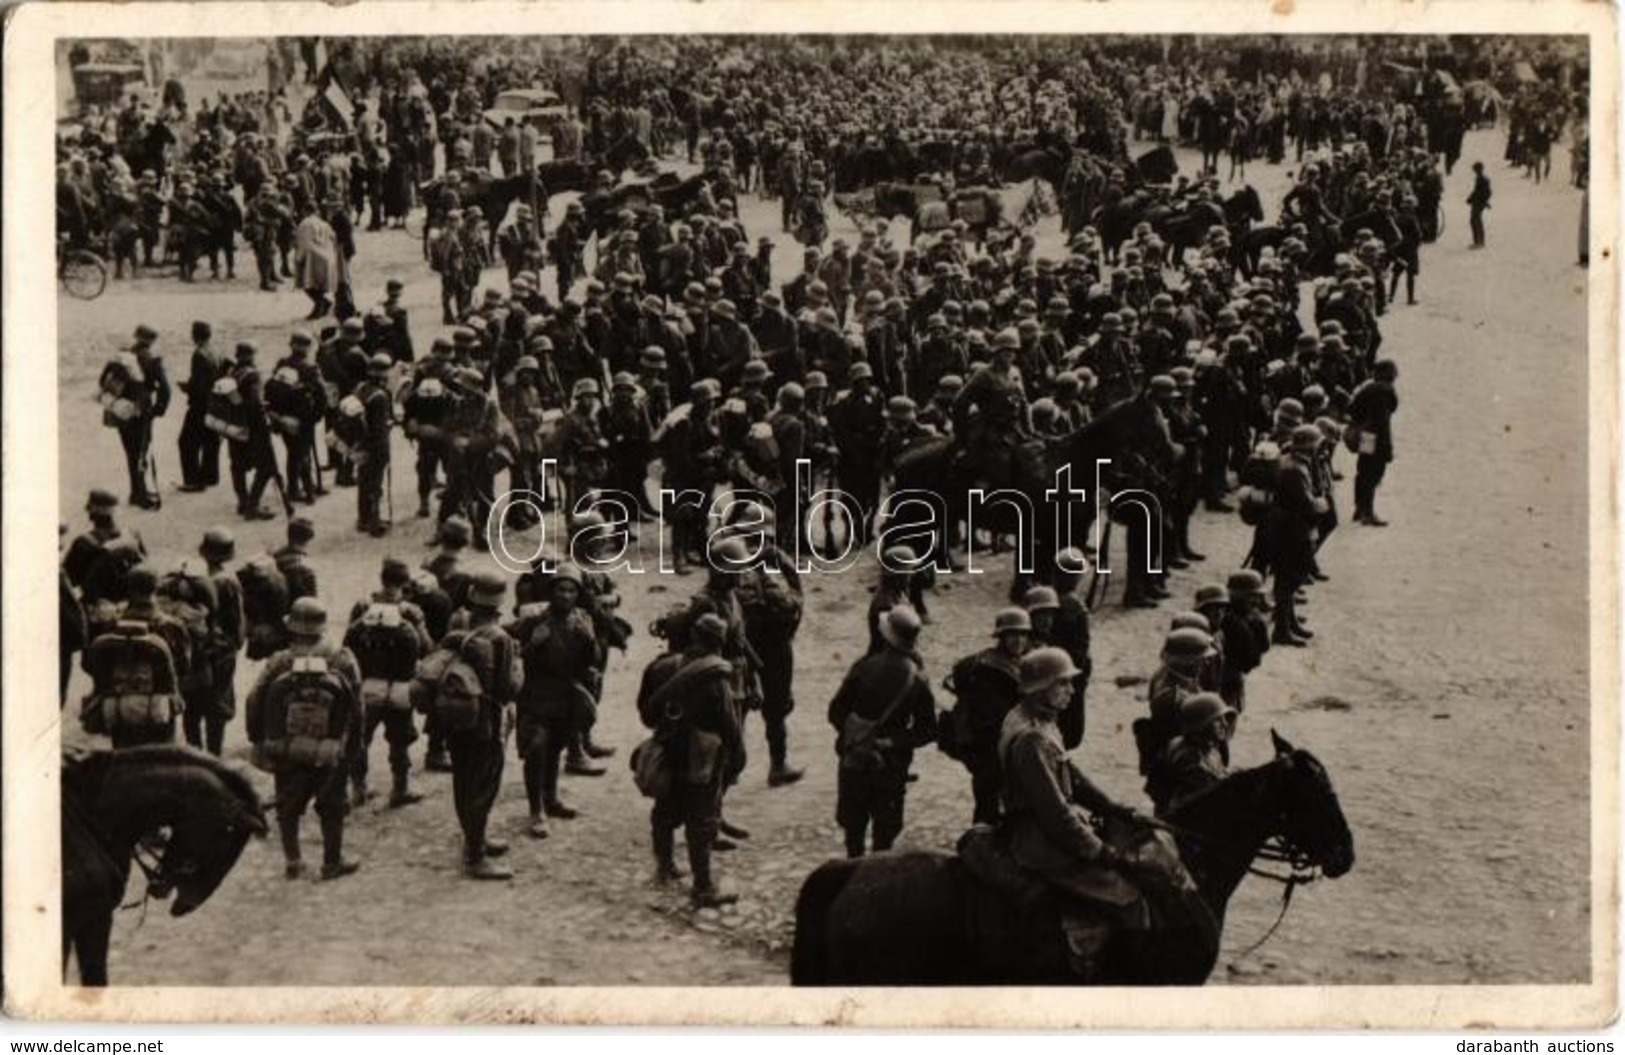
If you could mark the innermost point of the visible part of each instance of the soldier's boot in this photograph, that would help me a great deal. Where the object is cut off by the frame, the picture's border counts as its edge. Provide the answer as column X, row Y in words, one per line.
column 665, row 842
column 400, row 791
column 552, row 805
column 358, row 792
column 577, row 764
column 780, row 773
column 476, row 865
column 705, row 893
column 288, row 828
column 334, row 864
column 595, row 750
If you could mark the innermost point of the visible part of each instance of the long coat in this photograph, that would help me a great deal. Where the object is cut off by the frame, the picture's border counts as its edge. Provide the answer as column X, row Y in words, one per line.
column 321, row 267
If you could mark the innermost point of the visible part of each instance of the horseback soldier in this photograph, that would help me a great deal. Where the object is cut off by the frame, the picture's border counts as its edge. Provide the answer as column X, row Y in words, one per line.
column 882, row 712
column 388, row 634
column 1048, row 802
column 304, row 713
column 687, row 697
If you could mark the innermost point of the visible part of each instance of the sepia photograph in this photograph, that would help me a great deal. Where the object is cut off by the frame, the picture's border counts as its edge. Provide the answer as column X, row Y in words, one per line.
column 776, row 507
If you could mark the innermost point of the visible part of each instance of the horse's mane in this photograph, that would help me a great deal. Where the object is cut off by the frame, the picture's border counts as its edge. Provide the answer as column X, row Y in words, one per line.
column 86, row 772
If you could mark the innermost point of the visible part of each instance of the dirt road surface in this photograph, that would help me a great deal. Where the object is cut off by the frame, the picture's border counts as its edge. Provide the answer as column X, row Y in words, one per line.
column 1446, row 691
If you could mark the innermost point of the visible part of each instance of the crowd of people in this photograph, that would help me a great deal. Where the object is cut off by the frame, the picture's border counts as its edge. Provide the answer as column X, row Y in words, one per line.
column 685, row 350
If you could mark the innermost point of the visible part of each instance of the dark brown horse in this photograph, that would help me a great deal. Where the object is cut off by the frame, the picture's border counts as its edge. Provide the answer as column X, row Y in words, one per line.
column 112, row 802
column 919, row 918
column 1127, row 433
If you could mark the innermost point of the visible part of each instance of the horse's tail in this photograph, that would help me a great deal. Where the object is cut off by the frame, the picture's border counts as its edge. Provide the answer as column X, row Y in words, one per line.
column 809, row 956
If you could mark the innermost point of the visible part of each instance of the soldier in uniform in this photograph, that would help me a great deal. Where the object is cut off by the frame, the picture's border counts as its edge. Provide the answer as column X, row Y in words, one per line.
column 988, row 684
column 300, row 784
column 990, row 412
column 882, row 712
column 1292, row 519
column 254, row 453
column 151, row 399
column 390, row 606
column 771, row 602
column 372, row 456
column 1199, row 756
column 1372, row 409
column 299, row 434
column 208, row 713
column 857, row 422
column 292, row 560
column 687, row 697
column 200, row 445
column 562, row 657
column 476, row 753
column 1048, row 800
column 140, row 607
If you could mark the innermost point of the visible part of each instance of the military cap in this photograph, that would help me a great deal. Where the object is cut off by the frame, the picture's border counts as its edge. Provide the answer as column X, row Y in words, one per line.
column 101, row 501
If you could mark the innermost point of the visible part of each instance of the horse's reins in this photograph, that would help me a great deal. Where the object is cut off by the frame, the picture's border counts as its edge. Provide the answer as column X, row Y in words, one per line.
column 1275, row 849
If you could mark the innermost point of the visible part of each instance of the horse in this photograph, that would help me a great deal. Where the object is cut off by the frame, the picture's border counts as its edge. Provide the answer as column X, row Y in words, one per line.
column 920, row 918
column 1157, row 165
column 1187, row 229
column 1241, row 210
column 113, row 801
column 1038, row 162
column 1126, row 430
column 1116, row 219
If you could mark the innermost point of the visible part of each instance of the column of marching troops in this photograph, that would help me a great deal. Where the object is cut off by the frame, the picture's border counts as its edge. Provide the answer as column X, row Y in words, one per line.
column 987, row 346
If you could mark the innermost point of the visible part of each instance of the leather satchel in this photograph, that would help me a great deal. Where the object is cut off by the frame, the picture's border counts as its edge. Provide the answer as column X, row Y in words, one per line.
column 859, row 750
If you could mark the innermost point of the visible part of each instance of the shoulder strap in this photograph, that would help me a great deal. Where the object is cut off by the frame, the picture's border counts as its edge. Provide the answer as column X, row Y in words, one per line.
column 897, row 701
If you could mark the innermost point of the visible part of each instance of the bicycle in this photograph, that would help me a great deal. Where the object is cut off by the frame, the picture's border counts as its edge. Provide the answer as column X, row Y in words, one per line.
column 81, row 272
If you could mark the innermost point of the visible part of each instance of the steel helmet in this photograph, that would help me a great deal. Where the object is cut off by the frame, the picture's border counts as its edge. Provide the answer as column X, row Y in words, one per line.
column 1198, row 710
column 1012, row 619
column 1043, row 667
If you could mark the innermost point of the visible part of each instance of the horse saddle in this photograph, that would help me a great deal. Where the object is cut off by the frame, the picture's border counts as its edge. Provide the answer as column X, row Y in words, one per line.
column 1029, row 904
